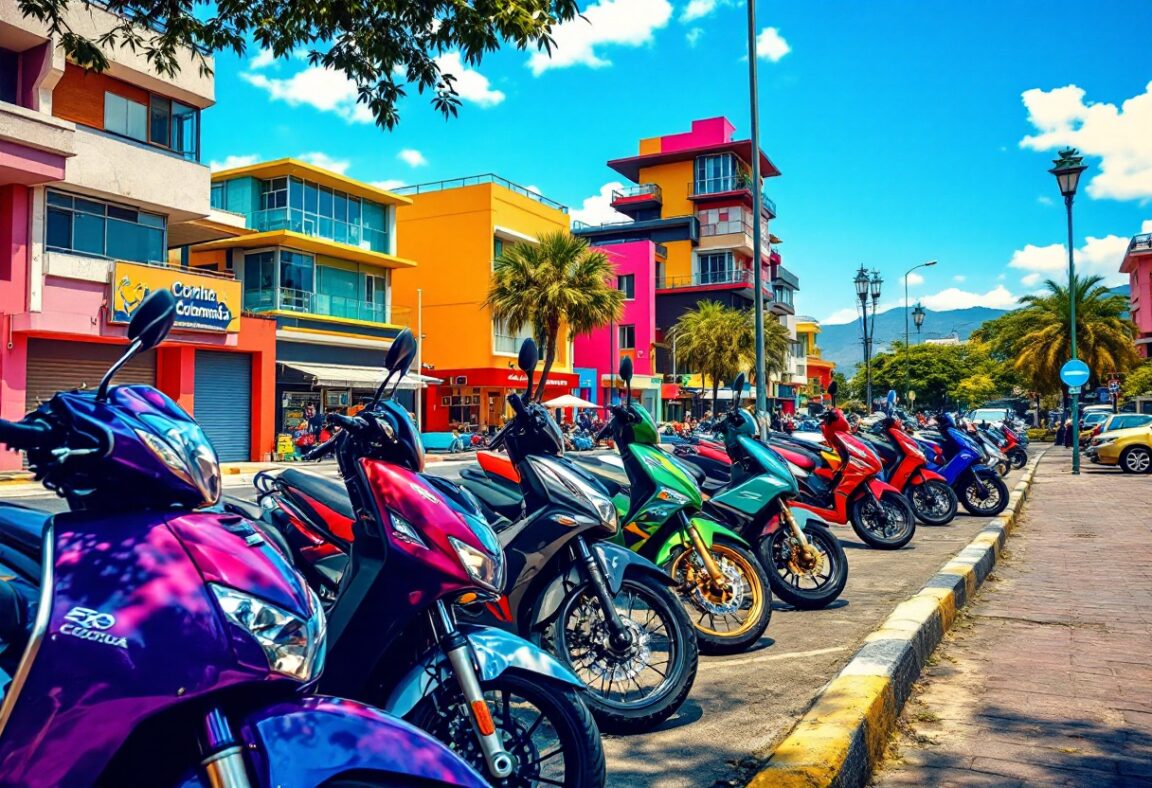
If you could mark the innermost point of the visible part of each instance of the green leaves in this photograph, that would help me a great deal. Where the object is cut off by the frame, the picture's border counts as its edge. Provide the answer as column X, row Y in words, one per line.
column 383, row 46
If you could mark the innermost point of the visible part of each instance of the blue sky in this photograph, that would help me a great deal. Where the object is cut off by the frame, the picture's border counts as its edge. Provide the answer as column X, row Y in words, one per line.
column 904, row 131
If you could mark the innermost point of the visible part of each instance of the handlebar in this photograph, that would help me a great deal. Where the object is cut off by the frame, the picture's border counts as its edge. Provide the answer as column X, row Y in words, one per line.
column 351, row 423
column 21, row 436
column 321, row 450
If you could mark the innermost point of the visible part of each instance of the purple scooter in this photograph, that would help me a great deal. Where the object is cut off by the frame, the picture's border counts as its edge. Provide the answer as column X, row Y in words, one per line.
column 143, row 642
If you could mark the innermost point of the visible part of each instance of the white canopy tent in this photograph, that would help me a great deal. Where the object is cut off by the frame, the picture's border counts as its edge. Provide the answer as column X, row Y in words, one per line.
column 570, row 401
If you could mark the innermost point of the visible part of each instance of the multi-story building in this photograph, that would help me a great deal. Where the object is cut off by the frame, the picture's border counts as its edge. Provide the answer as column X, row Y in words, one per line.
column 320, row 261
column 688, row 237
column 456, row 229
column 1138, row 265
column 101, row 193
column 817, row 370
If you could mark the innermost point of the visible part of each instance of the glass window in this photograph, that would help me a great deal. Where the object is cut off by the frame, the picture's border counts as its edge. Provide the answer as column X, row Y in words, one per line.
column 506, row 340
column 325, row 202
column 497, row 248
column 716, row 268
column 273, row 194
column 311, row 197
column 354, row 211
column 160, row 127
column 715, row 174
column 626, row 283
column 340, row 206
column 59, row 234
column 219, row 196
column 297, row 271
column 9, row 76
column 125, row 117
column 86, row 226
column 186, row 130
column 296, row 194
column 260, row 281
column 627, row 337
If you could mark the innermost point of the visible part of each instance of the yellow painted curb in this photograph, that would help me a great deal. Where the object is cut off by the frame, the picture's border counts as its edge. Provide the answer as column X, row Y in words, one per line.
column 842, row 736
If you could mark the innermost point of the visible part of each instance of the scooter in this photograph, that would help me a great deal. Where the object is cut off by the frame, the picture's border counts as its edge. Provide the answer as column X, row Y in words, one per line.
column 162, row 643
column 956, row 457
column 1012, row 446
column 406, row 550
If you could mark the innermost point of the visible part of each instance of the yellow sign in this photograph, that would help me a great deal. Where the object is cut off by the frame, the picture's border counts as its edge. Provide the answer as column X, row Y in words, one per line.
column 285, row 447
column 203, row 303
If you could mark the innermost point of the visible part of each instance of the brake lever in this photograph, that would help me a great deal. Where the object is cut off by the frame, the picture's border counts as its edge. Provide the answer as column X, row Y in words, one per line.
column 63, row 454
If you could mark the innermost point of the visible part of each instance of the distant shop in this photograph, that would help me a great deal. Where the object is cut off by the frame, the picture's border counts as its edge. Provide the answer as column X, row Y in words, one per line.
column 476, row 399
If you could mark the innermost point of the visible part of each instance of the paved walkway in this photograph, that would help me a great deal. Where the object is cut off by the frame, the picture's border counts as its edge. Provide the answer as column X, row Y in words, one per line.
column 1047, row 680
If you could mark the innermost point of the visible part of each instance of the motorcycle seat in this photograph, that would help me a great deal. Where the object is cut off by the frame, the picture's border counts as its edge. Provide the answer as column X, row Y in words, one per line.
column 23, row 528
column 329, row 492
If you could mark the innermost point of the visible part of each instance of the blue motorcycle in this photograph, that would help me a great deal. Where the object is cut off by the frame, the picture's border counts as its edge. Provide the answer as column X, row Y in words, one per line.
column 957, row 458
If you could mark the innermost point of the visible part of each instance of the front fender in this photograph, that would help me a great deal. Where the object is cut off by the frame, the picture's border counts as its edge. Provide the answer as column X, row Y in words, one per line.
column 878, row 487
column 924, row 475
column 616, row 561
column 801, row 515
column 493, row 652
column 305, row 742
column 709, row 530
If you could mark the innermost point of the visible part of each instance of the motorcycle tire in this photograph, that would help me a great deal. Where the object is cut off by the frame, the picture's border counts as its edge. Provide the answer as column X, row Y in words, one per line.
column 775, row 554
column 550, row 708
column 933, row 501
column 1018, row 457
column 1003, row 468
column 990, row 506
column 899, row 520
column 738, row 564
column 580, row 645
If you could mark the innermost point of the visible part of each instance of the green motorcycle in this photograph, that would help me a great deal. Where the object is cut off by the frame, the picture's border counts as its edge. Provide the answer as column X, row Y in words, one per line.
column 720, row 580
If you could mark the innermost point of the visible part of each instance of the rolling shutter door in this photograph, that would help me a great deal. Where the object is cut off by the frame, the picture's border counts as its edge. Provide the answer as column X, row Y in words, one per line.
column 223, row 402
column 59, row 365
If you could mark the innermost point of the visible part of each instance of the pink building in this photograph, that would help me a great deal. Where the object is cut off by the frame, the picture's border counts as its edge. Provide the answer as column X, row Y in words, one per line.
column 1138, row 265
column 635, row 334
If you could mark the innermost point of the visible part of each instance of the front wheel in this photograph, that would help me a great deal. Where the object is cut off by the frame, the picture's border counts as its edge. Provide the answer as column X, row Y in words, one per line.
column 984, row 496
column 1136, row 459
column 934, row 502
column 806, row 580
column 1018, row 457
column 732, row 615
column 544, row 725
column 636, row 688
column 885, row 524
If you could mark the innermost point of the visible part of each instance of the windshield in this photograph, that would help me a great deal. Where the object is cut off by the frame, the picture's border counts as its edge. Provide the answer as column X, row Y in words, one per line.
column 988, row 414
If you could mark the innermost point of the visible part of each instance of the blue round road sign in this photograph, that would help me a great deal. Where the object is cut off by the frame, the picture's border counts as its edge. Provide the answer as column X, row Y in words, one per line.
column 1074, row 373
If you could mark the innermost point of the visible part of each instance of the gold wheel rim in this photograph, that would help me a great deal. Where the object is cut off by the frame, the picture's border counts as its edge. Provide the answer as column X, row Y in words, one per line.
column 701, row 617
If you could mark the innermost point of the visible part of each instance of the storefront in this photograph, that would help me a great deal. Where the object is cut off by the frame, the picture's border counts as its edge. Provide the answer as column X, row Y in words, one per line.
column 646, row 390
column 476, row 399
column 586, row 387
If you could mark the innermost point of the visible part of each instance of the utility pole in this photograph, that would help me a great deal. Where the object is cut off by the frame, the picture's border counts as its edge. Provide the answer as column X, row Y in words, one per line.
column 757, row 207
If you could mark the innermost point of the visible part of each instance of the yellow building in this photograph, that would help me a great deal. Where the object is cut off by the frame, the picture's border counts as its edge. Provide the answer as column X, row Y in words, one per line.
column 455, row 229
column 818, row 371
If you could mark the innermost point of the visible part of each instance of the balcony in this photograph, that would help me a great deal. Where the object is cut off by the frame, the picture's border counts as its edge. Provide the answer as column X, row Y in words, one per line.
column 733, row 233
column 316, row 226
column 477, row 180
column 308, row 303
column 1140, row 242
column 726, row 278
column 728, row 185
column 644, row 195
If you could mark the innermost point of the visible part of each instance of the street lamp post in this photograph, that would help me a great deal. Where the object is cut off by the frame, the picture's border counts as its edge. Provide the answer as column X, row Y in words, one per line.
column 1067, row 171
column 918, row 319
column 906, row 308
column 757, row 207
column 868, row 285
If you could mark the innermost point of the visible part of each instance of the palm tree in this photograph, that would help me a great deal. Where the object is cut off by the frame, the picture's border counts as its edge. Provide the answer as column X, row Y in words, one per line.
column 558, row 281
column 777, row 342
column 1103, row 333
column 716, row 341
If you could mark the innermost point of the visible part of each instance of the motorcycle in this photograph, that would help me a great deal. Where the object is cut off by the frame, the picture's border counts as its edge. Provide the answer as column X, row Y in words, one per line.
column 160, row 642
column 955, row 456
column 905, row 464
column 1011, row 444
column 806, row 565
column 395, row 556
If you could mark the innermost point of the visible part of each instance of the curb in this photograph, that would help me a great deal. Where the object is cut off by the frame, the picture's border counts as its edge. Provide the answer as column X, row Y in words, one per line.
column 843, row 734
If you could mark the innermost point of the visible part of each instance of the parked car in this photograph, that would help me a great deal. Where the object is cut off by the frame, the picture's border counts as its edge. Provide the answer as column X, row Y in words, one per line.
column 1131, row 449
column 1089, row 422
column 1122, row 421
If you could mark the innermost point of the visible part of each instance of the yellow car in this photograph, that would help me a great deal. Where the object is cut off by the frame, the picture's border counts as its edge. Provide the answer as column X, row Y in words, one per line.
column 1131, row 449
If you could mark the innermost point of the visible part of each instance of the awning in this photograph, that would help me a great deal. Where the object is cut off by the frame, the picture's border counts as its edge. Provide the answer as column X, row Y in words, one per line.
column 347, row 376
column 570, row 401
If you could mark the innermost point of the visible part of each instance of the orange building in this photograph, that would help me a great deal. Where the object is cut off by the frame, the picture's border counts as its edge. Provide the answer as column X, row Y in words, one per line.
column 455, row 230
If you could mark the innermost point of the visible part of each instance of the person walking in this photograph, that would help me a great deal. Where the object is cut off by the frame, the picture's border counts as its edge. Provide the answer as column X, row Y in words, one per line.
column 1069, row 431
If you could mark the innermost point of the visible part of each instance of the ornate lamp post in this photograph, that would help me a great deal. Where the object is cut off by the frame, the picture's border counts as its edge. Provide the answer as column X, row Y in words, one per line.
column 906, row 305
column 1067, row 171
column 868, row 285
column 918, row 319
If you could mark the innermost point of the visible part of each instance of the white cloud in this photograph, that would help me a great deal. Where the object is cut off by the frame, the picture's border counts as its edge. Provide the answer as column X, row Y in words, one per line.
column 389, row 184
column 959, row 278
column 470, row 84
column 620, row 22
column 698, row 9
column 262, row 59
column 233, row 161
column 1120, row 136
column 324, row 161
column 770, row 45
column 1045, row 200
column 955, row 298
column 535, row 189
column 1031, row 280
column 1098, row 256
column 598, row 209
column 846, row 315
column 315, row 86
column 693, row 36
column 915, row 279
column 1001, row 277
column 1146, row 227
column 412, row 157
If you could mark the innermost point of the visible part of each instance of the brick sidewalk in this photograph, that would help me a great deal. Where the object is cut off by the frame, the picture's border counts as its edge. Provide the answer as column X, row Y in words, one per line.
column 1048, row 678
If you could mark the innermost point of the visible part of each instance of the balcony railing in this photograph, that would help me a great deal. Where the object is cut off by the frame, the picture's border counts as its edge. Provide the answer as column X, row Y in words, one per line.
column 289, row 300
column 643, row 192
column 1142, row 241
column 723, row 276
column 728, row 183
column 476, row 180
column 317, row 226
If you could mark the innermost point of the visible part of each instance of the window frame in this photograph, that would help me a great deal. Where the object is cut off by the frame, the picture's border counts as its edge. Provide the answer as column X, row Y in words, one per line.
column 61, row 202
column 629, row 291
column 630, row 329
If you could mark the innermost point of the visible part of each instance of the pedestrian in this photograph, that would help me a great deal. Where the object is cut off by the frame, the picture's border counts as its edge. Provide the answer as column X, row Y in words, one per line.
column 1069, row 432
column 1059, row 439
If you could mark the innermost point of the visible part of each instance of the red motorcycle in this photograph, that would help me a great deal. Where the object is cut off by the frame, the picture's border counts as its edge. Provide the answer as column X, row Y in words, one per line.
column 852, row 493
column 932, row 499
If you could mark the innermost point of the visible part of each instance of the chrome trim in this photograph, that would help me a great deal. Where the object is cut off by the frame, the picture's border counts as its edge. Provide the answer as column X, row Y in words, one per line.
column 39, row 628
column 226, row 769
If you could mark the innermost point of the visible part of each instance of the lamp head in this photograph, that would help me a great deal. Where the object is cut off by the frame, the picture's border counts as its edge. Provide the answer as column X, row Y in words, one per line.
column 861, row 282
column 1067, row 171
column 875, row 282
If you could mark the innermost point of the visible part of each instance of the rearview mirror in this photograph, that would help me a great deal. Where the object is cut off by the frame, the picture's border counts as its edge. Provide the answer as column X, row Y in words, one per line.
column 833, row 387
column 529, row 356
column 153, row 319
column 402, row 353
column 626, row 369
column 737, row 390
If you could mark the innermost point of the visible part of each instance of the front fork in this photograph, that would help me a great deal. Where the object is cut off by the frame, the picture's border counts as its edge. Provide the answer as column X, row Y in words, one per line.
column 619, row 636
column 706, row 558
column 810, row 553
column 223, row 761
column 455, row 646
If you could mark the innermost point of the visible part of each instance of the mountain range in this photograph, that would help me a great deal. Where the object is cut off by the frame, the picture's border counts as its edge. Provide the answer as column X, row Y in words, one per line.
column 840, row 342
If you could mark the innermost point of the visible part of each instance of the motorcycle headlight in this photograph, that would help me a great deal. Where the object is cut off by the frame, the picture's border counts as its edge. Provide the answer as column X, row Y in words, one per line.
column 187, row 452
column 485, row 568
column 294, row 646
column 599, row 502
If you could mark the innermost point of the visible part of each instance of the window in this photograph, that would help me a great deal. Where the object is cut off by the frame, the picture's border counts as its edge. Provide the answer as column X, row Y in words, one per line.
column 507, row 341
column 260, row 281
column 297, row 272
column 716, row 268
column 185, row 131
column 219, row 196
column 9, row 76
column 497, row 248
column 125, row 117
column 627, row 337
column 716, row 174
column 86, row 226
column 782, row 295
column 273, row 194
column 626, row 283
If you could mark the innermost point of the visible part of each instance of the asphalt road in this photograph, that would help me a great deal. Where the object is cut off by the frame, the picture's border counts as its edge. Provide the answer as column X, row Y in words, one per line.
column 742, row 705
